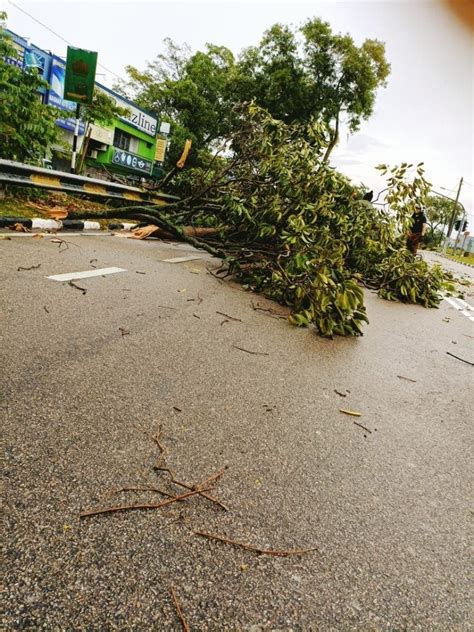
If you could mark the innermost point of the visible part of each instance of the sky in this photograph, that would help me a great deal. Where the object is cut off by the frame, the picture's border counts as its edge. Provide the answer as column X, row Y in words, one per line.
column 425, row 114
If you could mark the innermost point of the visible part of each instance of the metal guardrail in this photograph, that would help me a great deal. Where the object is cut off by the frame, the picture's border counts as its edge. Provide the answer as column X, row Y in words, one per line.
column 19, row 174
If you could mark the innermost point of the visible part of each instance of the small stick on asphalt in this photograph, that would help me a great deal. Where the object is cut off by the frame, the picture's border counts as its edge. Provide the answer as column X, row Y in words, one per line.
column 229, row 317
column 30, row 268
column 166, row 307
column 196, row 316
column 271, row 312
column 408, row 379
column 174, row 499
column 252, row 352
column 179, row 610
column 339, row 393
column 141, row 489
column 215, row 275
column 350, row 412
column 248, row 547
column 82, row 289
column 46, row 309
column 363, row 427
column 191, row 487
column 123, row 331
column 156, row 438
column 458, row 358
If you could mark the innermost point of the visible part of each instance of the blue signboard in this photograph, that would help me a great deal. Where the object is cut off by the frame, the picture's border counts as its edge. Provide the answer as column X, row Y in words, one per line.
column 56, row 96
column 131, row 161
column 36, row 59
column 19, row 44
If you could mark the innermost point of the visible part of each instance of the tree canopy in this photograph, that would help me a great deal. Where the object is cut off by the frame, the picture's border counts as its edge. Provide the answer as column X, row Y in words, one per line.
column 296, row 75
column 27, row 127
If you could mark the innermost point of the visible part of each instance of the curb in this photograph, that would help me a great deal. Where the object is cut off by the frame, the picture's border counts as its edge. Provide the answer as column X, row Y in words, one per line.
column 39, row 223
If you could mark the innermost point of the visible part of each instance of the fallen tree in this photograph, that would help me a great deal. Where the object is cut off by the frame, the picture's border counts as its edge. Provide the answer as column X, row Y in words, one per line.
column 292, row 227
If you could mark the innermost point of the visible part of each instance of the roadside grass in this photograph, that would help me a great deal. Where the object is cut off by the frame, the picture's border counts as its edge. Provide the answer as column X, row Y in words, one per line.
column 29, row 203
column 469, row 258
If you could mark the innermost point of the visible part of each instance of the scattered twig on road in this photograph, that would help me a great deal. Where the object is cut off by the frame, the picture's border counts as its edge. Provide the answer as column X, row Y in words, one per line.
column 196, row 316
column 193, row 487
column 252, row 352
column 166, row 307
column 82, row 289
column 63, row 242
column 229, row 317
column 458, row 358
column 178, row 410
column 141, row 489
column 248, row 547
column 165, row 503
column 46, row 309
column 224, row 321
column 339, row 393
column 157, row 439
column 140, row 272
column 270, row 311
column 350, row 412
column 30, row 268
column 179, row 610
column 215, row 275
column 408, row 379
column 123, row 331
column 363, row 427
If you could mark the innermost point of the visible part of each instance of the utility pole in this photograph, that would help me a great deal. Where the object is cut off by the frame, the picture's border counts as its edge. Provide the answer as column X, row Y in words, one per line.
column 74, row 140
column 453, row 217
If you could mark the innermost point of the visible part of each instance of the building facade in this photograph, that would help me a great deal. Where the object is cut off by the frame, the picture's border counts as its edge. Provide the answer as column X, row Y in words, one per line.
column 133, row 145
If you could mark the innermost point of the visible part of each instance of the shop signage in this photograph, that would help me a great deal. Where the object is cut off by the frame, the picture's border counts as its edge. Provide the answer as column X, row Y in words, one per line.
column 136, row 117
column 131, row 161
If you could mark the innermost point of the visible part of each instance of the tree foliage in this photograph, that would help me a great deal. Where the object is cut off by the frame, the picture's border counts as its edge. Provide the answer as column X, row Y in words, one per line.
column 27, row 127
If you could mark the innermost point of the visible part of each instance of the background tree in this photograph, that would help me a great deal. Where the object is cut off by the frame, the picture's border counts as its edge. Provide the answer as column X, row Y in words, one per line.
column 438, row 212
column 315, row 73
column 192, row 91
column 294, row 75
column 27, row 127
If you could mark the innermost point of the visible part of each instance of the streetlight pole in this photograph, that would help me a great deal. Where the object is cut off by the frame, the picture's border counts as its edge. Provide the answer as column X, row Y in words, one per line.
column 453, row 216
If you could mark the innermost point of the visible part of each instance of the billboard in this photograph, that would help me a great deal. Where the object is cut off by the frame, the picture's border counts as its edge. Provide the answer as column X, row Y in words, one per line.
column 80, row 75
column 36, row 59
column 56, row 96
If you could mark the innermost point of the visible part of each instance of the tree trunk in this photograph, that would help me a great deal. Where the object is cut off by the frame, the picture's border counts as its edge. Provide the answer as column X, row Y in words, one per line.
column 334, row 140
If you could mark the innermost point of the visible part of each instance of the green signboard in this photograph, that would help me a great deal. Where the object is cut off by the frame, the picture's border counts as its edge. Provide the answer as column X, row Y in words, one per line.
column 80, row 75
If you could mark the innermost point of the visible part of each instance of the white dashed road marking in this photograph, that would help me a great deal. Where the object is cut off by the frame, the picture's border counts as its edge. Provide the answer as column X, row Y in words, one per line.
column 70, row 276
column 464, row 308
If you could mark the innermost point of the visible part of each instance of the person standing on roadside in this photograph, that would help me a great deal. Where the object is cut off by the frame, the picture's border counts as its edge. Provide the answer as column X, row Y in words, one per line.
column 419, row 225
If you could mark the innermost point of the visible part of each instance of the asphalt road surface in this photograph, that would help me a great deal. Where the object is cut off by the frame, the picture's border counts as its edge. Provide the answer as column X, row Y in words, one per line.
column 141, row 370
